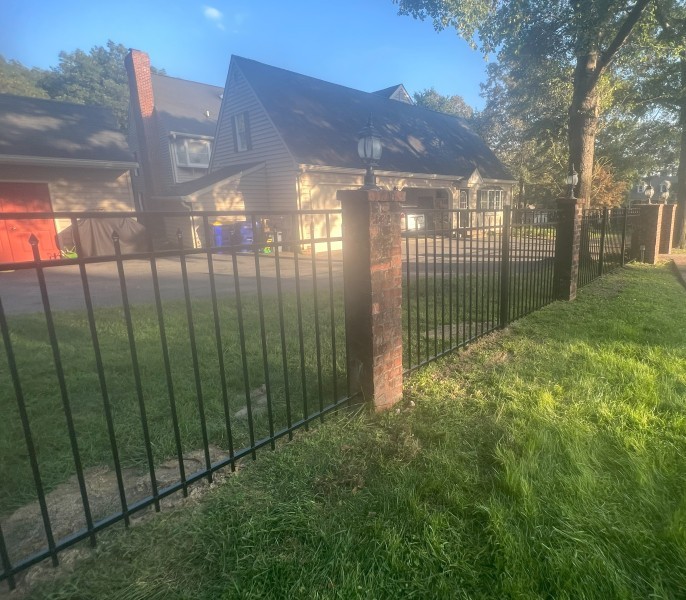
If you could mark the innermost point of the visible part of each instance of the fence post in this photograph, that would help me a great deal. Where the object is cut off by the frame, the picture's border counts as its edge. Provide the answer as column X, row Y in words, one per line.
column 567, row 244
column 603, row 236
column 372, row 274
column 647, row 233
column 667, row 230
column 505, row 270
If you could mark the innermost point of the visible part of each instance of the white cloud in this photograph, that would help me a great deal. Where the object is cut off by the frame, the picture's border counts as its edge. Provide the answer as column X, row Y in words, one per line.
column 214, row 15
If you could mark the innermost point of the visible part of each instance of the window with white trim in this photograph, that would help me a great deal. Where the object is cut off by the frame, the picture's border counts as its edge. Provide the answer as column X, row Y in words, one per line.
column 491, row 199
column 640, row 188
column 464, row 199
column 192, row 153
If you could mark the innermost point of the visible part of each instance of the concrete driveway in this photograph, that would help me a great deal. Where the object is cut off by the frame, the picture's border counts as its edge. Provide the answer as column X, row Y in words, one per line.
column 20, row 292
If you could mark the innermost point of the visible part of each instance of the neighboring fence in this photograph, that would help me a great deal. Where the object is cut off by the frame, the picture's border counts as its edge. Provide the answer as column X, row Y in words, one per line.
column 470, row 272
column 606, row 240
column 147, row 369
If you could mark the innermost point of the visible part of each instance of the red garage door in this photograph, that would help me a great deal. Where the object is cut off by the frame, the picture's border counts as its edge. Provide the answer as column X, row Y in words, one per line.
column 14, row 234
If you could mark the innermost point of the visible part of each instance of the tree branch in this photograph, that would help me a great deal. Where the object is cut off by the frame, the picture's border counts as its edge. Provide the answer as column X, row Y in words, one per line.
column 622, row 35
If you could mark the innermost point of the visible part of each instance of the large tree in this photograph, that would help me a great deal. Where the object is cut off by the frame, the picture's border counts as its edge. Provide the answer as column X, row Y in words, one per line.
column 583, row 36
column 97, row 77
column 17, row 79
column 452, row 105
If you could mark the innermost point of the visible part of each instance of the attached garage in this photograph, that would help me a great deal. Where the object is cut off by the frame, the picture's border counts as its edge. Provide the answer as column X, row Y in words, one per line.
column 56, row 156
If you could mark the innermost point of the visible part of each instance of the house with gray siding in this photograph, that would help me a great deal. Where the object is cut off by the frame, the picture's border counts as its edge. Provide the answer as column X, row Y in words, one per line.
column 57, row 156
column 286, row 141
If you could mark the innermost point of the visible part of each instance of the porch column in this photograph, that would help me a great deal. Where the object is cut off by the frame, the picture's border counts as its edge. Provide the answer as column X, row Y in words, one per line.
column 372, row 272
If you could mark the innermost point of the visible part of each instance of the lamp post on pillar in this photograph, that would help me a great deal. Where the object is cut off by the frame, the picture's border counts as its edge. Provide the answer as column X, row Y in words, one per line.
column 369, row 150
column 372, row 274
column 649, row 193
column 572, row 180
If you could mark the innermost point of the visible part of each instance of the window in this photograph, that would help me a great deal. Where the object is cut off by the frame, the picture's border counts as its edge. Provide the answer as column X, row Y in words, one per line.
column 241, row 132
column 640, row 188
column 464, row 199
column 192, row 152
column 491, row 199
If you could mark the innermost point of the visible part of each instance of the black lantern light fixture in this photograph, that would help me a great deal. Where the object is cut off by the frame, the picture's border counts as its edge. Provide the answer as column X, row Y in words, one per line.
column 369, row 150
column 572, row 179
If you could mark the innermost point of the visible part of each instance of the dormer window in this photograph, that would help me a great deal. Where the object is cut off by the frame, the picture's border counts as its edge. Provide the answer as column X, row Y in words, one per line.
column 192, row 153
column 241, row 132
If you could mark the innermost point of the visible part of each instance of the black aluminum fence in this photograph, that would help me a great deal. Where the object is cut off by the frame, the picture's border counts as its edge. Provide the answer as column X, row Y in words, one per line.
column 470, row 272
column 129, row 375
column 605, row 241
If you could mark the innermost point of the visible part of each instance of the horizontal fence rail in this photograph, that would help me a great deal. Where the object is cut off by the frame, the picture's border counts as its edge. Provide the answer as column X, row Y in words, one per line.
column 132, row 366
column 469, row 272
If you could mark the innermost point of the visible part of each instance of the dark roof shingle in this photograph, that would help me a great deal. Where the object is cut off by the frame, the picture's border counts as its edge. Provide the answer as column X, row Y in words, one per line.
column 182, row 105
column 35, row 127
column 319, row 122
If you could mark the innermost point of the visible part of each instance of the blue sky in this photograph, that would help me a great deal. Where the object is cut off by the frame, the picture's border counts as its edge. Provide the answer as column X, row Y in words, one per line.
column 358, row 43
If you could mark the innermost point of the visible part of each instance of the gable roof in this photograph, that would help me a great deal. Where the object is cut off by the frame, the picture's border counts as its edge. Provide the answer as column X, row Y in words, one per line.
column 182, row 105
column 47, row 131
column 319, row 122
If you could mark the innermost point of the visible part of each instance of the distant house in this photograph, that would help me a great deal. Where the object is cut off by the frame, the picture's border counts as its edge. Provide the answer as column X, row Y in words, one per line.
column 664, row 189
column 285, row 141
column 56, row 156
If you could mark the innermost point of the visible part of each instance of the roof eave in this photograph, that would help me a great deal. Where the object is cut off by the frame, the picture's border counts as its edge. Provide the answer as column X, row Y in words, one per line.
column 83, row 163
column 409, row 175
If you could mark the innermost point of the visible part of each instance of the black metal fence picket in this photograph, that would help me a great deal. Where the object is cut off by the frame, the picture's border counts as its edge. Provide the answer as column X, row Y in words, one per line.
column 605, row 241
column 152, row 367
column 470, row 272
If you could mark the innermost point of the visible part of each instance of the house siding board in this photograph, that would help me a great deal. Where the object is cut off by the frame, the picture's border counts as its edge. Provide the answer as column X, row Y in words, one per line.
column 266, row 146
column 78, row 189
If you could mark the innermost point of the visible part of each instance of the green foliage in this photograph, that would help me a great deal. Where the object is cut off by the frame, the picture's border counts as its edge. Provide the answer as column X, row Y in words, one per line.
column 541, row 47
column 97, row 77
column 17, row 79
column 452, row 105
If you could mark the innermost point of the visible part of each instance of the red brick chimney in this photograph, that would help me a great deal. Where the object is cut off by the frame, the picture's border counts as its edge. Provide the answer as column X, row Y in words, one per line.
column 143, row 107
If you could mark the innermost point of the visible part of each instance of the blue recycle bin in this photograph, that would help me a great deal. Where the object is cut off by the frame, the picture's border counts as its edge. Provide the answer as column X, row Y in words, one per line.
column 218, row 228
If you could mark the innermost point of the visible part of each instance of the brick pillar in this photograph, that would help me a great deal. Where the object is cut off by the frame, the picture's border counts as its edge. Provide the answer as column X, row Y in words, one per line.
column 567, row 244
column 647, row 233
column 372, row 271
column 667, row 229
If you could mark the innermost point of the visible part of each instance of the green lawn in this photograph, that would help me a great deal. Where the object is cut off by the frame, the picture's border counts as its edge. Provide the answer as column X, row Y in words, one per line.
column 547, row 461
column 44, row 403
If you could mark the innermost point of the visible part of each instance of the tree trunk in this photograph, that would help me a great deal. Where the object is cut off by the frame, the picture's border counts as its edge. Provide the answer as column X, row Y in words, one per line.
column 680, row 222
column 583, row 122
